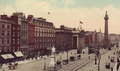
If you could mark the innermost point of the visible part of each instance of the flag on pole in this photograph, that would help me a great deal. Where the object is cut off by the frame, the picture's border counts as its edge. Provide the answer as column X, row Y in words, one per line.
column 48, row 12
column 81, row 22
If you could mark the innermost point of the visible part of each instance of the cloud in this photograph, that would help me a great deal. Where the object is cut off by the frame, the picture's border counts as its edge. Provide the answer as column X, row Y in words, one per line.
column 67, row 2
column 7, row 10
column 92, row 18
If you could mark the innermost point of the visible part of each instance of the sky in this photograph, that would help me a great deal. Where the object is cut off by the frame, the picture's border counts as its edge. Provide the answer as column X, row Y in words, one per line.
column 69, row 12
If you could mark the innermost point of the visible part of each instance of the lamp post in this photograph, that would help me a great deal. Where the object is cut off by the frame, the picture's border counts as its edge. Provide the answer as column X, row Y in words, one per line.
column 99, row 57
column 44, row 63
column 67, row 53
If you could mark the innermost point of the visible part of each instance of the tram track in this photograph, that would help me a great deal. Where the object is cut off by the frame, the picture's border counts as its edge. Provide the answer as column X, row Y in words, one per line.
column 76, row 65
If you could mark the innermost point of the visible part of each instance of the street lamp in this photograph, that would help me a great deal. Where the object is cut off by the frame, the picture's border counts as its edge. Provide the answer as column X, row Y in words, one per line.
column 67, row 53
column 44, row 63
column 99, row 57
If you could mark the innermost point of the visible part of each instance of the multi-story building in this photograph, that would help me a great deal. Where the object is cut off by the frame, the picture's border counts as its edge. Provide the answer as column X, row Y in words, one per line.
column 24, row 37
column 44, row 36
column 5, row 36
column 15, row 32
column 24, row 33
column 69, row 38
column 31, row 36
column 15, row 37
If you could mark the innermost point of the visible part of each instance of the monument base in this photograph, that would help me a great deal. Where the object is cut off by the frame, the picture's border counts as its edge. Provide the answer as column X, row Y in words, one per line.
column 51, row 69
column 106, row 43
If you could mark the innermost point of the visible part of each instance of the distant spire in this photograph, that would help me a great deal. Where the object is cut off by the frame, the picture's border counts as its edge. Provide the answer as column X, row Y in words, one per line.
column 106, row 12
column 95, row 31
column 100, row 30
column 24, row 16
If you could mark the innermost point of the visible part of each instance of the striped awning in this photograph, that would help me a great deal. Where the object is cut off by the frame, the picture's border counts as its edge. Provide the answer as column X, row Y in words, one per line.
column 18, row 54
column 7, row 56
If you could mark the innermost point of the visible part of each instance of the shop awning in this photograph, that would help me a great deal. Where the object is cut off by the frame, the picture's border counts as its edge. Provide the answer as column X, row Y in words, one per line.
column 18, row 54
column 7, row 56
column 10, row 56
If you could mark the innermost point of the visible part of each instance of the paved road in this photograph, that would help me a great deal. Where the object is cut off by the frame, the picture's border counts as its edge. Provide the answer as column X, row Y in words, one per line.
column 78, row 64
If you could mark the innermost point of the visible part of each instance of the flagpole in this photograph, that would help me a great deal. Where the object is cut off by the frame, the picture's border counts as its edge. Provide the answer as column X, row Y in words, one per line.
column 48, row 16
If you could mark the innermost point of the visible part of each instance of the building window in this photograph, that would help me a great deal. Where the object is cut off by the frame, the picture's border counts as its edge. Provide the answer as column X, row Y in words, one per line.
column 13, row 48
column 13, row 41
column 17, row 41
column 36, row 29
column 18, row 28
column 13, row 33
column 7, row 33
column 2, row 40
column 18, row 48
column 36, row 46
column 8, row 40
column 2, row 32
column 8, row 26
column 2, row 48
column 59, row 35
column 2, row 26
column 13, row 27
column 36, row 40
column 18, row 34
column 8, row 47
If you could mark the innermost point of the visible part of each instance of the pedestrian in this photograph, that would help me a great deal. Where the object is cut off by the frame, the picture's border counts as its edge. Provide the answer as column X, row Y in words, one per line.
column 89, row 57
column 108, row 57
column 114, row 53
column 3, row 70
column 83, row 52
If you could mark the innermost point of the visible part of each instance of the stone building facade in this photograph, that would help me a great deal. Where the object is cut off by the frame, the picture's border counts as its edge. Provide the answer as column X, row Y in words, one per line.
column 44, row 36
column 69, row 38
column 23, row 33
column 5, row 36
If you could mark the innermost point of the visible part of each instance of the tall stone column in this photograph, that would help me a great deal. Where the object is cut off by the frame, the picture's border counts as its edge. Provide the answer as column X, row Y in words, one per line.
column 106, row 40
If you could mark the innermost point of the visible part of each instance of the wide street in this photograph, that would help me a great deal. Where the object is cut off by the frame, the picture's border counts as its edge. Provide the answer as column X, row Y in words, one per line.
column 83, row 64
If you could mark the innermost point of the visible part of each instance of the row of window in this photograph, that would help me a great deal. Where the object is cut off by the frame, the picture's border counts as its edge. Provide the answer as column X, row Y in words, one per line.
column 24, row 42
column 3, row 40
column 18, row 28
column 41, row 23
column 45, row 40
column 45, row 30
column 13, row 41
column 44, row 45
column 17, row 34
column 14, row 48
column 3, row 26
column 3, row 33
column 44, row 35
column 3, row 49
column 8, row 33
column 24, row 26
column 24, row 34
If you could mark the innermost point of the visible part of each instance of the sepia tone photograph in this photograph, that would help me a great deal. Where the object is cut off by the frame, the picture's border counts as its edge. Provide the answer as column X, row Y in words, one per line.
column 59, row 35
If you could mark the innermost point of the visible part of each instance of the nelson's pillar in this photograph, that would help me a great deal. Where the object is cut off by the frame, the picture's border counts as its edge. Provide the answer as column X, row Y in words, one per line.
column 106, row 40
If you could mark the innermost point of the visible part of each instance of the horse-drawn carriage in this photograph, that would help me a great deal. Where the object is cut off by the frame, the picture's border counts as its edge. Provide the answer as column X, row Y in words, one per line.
column 72, row 58
column 107, row 65
column 58, row 63
column 13, row 66
column 65, row 61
